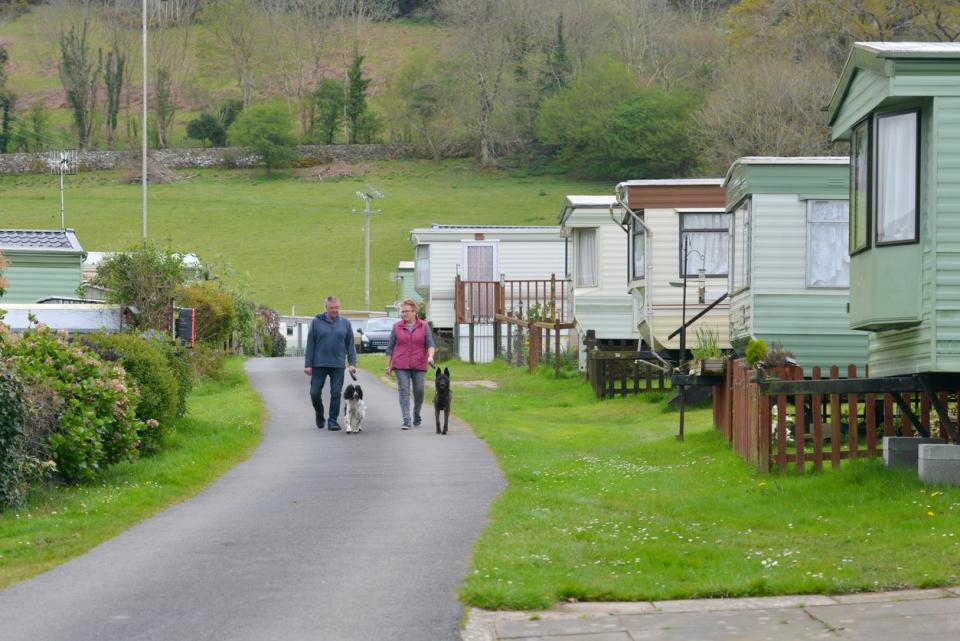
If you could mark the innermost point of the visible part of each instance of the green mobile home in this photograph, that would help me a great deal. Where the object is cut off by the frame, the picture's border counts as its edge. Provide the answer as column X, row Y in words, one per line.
column 43, row 263
column 898, row 103
column 789, row 269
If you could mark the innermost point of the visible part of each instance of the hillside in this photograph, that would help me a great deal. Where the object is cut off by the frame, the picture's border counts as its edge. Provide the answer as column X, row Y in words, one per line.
column 293, row 238
column 205, row 79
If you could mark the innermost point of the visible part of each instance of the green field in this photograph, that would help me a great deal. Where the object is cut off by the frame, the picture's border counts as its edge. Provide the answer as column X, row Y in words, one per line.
column 293, row 238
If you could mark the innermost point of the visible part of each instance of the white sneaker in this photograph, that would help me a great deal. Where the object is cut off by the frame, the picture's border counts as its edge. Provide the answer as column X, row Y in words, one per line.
column 405, row 426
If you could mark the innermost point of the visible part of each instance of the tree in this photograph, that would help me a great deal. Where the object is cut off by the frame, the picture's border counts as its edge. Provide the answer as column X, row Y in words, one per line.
column 356, row 103
column 326, row 111
column 650, row 136
column 484, row 35
column 268, row 131
column 80, row 77
column 234, row 31
column 767, row 107
column 299, row 30
column 146, row 277
column 557, row 67
column 417, row 101
column 7, row 102
column 228, row 112
column 113, row 79
column 573, row 119
column 206, row 127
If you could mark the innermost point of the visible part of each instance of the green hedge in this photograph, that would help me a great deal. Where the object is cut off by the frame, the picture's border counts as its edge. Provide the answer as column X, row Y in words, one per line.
column 146, row 363
column 96, row 425
column 11, row 435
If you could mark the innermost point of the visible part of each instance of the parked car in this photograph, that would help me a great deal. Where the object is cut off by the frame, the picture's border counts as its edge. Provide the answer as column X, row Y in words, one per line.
column 376, row 334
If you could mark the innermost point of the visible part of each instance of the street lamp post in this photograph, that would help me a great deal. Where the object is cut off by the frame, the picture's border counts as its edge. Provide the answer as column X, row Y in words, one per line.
column 143, row 156
column 701, row 278
column 367, row 196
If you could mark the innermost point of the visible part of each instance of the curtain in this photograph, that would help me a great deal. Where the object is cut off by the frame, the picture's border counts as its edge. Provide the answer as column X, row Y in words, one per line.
column 896, row 177
column 709, row 248
column 828, row 261
column 586, row 258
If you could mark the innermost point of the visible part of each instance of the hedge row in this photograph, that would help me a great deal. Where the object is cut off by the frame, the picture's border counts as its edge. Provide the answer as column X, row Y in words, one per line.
column 70, row 409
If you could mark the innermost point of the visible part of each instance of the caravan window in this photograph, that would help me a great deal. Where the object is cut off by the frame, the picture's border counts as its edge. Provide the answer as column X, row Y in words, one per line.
column 637, row 239
column 740, row 247
column 707, row 237
column 859, row 231
column 586, row 252
column 828, row 265
column 423, row 266
column 897, row 163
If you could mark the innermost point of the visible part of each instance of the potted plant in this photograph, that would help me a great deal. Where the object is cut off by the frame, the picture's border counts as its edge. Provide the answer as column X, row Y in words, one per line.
column 707, row 355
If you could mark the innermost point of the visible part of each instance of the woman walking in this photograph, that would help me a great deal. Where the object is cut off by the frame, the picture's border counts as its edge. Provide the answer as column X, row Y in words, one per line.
column 410, row 350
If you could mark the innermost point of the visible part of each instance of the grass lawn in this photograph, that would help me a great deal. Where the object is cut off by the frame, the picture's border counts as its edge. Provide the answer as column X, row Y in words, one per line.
column 604, row 504
column 293, row 239
column 222, row 427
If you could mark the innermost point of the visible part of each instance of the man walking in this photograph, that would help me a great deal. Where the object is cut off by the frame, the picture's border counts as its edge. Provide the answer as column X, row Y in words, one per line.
column 329, row 344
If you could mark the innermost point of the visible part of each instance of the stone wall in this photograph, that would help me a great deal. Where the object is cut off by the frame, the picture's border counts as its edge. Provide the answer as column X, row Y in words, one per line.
column 201, row 157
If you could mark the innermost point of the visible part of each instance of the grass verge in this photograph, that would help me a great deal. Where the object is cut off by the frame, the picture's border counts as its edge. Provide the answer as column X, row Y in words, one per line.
column 603, row 504
column 222, row 427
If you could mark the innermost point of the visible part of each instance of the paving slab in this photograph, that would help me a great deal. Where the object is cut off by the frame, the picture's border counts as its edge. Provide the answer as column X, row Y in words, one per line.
column 937, row 627
column 763, row 624
column 899, row 595
column 565, row 627
column 611, row 607
column 709, row 605
column 845, row 615
column 601, row 636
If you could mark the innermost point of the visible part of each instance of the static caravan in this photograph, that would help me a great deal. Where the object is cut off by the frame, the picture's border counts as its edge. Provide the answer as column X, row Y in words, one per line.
column 898, row 103
column 597, row 270
column 42, row 263
column 789, row 268
column 482, row 254
column 660, row 218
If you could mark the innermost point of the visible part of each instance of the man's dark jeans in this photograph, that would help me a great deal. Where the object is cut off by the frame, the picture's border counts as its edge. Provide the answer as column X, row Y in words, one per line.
column 317, row 380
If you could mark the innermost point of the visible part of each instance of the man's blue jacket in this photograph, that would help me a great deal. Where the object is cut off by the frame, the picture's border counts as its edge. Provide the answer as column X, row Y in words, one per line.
column 330, row 343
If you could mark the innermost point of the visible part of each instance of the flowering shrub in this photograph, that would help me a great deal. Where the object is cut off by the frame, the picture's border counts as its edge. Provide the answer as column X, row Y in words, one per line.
column 147, row 367
column 97, row 425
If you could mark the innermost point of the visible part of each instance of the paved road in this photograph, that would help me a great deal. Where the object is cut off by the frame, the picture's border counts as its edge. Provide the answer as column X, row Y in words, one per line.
column 320, row 536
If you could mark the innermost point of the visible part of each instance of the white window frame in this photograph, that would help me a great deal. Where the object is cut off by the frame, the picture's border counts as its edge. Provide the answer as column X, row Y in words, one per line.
column 741, row 220
column 637, row 232
column 905, row 174
column 682, row 213
column 840, row 226
column 578, row 246
column 422, row 267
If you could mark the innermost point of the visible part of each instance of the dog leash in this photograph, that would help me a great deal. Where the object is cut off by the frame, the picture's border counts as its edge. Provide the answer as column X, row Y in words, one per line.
column 353, row 376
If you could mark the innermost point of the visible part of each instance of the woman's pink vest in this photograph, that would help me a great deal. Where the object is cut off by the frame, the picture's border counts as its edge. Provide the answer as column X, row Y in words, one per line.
column 410, row 351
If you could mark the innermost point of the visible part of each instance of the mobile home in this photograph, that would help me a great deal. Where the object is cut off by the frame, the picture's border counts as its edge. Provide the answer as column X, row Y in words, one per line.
column 660, row 217
column 789, row 269
column 898, row 103
column 597, row 270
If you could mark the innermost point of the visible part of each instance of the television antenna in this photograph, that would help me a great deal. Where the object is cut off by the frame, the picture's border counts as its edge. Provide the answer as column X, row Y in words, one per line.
column 367, row 196
column 62, row 163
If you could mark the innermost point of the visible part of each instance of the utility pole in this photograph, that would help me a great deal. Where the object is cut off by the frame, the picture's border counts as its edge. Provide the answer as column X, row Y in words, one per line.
column 367, row 197
column 64, row 162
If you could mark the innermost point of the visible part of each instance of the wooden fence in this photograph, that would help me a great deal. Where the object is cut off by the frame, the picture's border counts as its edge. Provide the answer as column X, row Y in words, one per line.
column 622, row 373
column 809, row 430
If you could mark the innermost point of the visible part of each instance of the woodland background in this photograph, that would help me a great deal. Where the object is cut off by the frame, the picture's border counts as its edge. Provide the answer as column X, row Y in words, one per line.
column 597, row 88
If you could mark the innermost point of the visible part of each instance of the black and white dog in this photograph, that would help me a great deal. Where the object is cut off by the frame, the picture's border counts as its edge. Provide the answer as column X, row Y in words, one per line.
column 441, row 399
column 354, row 408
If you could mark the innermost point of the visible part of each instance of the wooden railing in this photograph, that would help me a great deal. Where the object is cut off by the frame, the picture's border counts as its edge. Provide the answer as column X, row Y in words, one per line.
column 480, row 301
